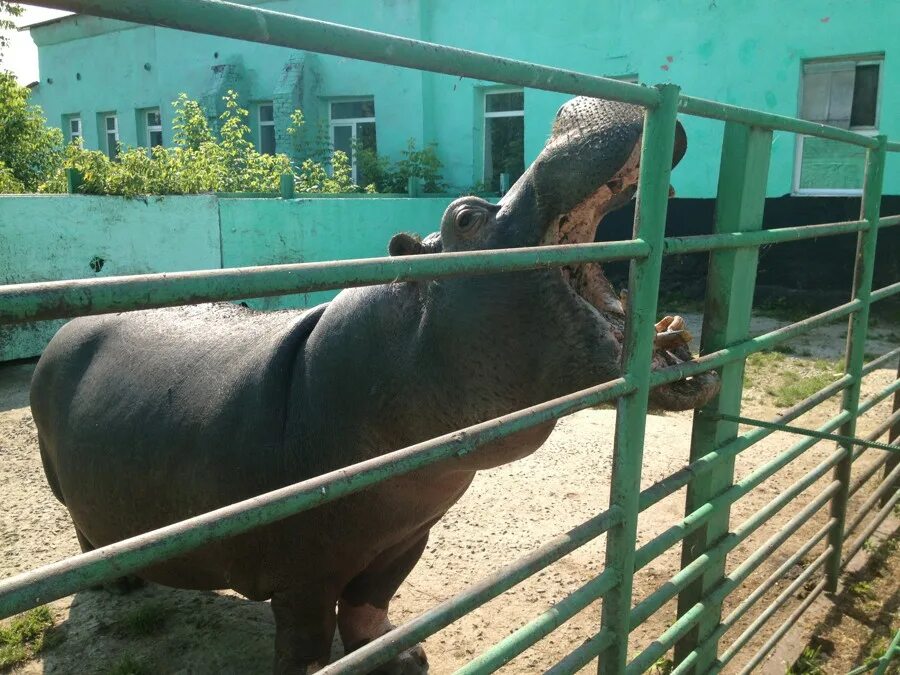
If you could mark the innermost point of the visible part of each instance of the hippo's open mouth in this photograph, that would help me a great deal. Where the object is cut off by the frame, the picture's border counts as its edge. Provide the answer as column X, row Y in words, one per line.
column 671, row 344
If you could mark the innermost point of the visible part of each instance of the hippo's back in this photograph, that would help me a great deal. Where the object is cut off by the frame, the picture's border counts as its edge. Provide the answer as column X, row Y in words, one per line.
column 146, row 418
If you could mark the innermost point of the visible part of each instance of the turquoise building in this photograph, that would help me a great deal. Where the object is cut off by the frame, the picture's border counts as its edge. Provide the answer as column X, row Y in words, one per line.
column 832, row 61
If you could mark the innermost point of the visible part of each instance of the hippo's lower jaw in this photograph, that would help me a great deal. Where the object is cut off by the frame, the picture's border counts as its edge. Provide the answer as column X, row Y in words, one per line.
column 579, row 226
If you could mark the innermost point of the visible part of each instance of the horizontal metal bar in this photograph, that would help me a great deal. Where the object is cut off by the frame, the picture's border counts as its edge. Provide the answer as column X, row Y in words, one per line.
column 875, row 364
column 889, row 221
column 520, row 640
column 742, row 350
column 879, row 431
column 664, row 541
column 873, row 400
column 785, row 627
column 753, row 629
column 866, row 474
column 870, row 528
column 885, row 292
column 688, row 619
column 872, row 500
column 61, row 299
column 255, row 24
column 776, row 576
column 582, row 655
column 674, row 482
column 893, row 147
column 787, row 428
column 710, row 242
column 57, row 580
column 723, row 111
column 403, row 637
column 643, row 610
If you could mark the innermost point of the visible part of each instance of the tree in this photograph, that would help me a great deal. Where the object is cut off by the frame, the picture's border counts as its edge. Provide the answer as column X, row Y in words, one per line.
column 7, row 9
column 29, row 149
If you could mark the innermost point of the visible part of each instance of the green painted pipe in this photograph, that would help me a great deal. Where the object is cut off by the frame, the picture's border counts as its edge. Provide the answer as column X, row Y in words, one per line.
column 724, row 240
column 786, row 595
column 265, row 26
column 775, row 426
column 520, row 640
column 686, row 621
column 57, row 580
column 722, row 111
column 376, row 652
column 664, row 541
column 62, row 299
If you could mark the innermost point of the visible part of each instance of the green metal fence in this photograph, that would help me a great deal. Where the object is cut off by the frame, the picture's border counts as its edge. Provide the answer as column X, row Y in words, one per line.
column 703, row 583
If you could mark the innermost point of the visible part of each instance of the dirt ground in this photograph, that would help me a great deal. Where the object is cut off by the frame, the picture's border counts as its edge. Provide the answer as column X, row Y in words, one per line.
column 506, row 513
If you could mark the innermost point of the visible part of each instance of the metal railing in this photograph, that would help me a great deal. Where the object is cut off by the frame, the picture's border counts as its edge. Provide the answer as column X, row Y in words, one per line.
column 703, row 583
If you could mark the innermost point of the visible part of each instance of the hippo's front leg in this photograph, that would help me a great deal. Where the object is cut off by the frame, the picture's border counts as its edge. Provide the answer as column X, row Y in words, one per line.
column 363, row 607
column 304, row 629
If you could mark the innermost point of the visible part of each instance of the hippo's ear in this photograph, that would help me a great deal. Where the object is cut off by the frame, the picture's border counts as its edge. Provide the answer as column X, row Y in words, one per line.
column 405, row 244
column 680, row 144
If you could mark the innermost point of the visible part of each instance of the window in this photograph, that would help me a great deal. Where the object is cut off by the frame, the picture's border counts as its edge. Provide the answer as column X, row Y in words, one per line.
column 842, row 93
column 504, row 136
column 74, row 128
column 267, row 128
column 111, row 129
column 154, row 128
column 353, row 126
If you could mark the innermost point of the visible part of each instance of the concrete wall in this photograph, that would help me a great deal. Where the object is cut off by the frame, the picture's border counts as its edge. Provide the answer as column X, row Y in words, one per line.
column 735, row 52
column 46, row 238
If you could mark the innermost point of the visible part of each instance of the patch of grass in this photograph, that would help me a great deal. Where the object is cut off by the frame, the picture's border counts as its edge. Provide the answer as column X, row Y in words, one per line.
column 808, row 663
column 788, row 393
column 663, row 666
column 127, row 665
column 877, row 649
column 863, row 589
column 144, row 620
column 26, row 635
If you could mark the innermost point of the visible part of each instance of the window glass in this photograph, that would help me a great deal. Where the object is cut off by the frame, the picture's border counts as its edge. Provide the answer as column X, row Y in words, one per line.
column 504, row 101
column 343, row 110
column 267, row 128
column 353, row 126
column 865, row 96
column 74, row 128
column 504, row 137
column 112, row 136
column 154, row 129
column 842, row 93
column 267, row 139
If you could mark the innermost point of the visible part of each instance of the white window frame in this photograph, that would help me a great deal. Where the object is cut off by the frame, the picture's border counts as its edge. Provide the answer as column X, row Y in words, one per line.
column 486, row 142
column 351, row 122
column 153, row 127
column 266, row 123
column 869, row 60
column 75, row 134
column 107, row 131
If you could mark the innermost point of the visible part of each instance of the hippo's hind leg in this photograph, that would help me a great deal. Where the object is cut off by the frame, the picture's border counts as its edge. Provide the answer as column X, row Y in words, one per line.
column 363, row 607
column 304, row 629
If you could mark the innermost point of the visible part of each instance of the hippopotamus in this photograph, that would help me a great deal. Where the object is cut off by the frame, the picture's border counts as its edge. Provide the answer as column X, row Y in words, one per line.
column 146, row 418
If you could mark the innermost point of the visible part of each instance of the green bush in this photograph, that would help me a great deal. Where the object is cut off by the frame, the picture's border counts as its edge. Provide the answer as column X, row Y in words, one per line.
column 199, row 161
column 386, row 176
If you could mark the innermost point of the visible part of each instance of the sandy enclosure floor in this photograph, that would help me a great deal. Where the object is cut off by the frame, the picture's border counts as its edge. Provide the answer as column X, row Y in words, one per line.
column 506, row 513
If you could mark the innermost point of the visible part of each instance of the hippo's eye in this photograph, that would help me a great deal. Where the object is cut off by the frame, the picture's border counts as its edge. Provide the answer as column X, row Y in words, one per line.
column 468, row 217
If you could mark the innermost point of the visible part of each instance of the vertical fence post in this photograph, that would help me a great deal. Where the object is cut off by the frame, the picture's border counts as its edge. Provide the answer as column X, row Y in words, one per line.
column 856, row 347
column 743, row 174
column 643, row 287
